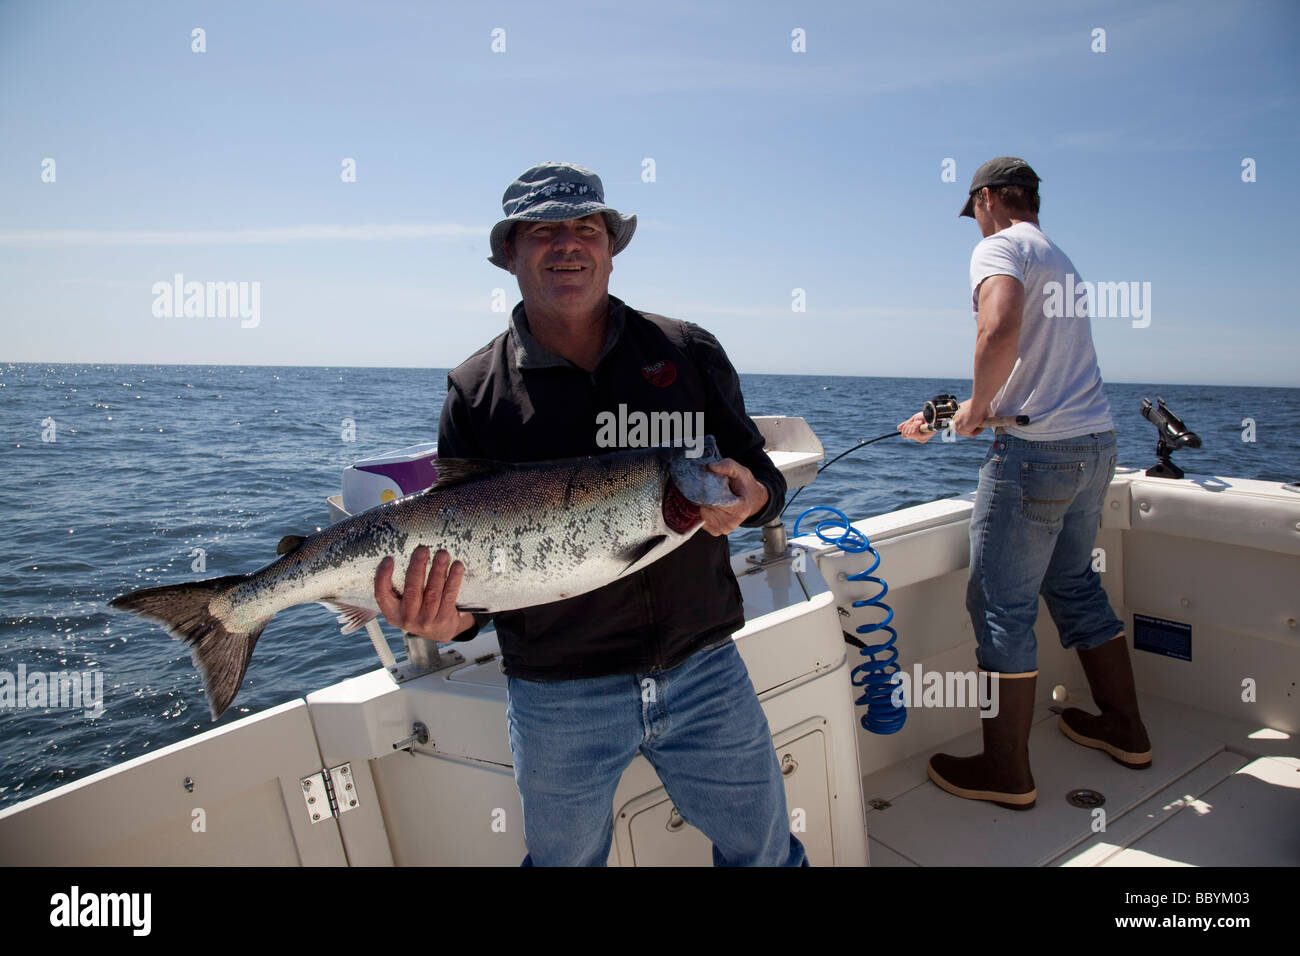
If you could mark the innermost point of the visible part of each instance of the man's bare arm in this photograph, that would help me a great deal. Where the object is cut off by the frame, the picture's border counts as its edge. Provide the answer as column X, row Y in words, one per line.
column 997, row 341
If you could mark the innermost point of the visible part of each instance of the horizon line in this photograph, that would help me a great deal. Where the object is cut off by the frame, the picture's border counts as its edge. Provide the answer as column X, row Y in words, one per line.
column 447, row 368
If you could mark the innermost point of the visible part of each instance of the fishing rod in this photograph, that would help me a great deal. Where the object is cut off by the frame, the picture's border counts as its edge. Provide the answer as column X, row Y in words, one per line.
column 937, row 412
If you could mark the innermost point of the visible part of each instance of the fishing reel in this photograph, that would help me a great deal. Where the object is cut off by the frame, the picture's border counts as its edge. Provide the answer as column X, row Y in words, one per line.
column 941, row 409
column 1173, row 435
column 938, row 412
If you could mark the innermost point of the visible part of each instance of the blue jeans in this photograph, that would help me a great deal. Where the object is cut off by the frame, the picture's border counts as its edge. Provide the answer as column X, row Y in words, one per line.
column 699, row 724
column 1035, row 522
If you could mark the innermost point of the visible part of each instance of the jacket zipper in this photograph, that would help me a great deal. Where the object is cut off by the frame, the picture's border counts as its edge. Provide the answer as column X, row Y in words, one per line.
column 596, row 392
column 656, row 649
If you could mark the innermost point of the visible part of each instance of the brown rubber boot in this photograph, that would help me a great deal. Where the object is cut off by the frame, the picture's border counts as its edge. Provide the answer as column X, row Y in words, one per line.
column 1001, row 773
column 1118, row 730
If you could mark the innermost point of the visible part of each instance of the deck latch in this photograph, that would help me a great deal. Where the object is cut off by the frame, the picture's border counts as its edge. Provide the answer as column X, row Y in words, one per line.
column 329, row 792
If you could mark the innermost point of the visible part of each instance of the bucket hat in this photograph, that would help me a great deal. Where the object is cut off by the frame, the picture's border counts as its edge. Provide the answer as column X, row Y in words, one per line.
column 554, row 192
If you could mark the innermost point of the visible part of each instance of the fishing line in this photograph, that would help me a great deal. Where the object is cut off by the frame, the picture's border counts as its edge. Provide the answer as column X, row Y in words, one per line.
column 862, row 443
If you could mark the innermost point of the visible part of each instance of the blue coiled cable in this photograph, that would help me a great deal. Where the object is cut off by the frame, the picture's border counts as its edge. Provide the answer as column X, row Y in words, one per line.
column 876, row 673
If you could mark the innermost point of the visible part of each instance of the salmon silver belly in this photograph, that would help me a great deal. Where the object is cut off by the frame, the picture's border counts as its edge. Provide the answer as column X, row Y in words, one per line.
column 527, row 534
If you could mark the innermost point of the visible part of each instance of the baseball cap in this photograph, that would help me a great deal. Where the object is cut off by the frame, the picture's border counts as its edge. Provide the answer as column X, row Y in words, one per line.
column 1001, row 171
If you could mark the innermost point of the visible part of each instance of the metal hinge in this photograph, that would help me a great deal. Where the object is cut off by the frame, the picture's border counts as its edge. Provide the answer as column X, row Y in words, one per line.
column 329, row 793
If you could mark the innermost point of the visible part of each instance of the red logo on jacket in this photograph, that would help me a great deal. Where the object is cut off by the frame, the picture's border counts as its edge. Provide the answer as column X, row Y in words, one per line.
column 661, row 374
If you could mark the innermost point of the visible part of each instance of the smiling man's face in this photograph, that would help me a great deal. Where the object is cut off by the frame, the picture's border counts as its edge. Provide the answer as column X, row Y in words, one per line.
column 563, row 267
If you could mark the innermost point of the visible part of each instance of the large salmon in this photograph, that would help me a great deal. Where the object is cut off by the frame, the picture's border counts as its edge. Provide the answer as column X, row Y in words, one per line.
column 527, row 534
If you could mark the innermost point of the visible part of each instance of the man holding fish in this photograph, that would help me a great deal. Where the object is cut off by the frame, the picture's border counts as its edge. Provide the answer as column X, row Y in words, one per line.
column 646, row 663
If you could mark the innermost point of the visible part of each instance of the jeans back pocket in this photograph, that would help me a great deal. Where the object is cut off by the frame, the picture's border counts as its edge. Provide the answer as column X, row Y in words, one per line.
column 1047, row 489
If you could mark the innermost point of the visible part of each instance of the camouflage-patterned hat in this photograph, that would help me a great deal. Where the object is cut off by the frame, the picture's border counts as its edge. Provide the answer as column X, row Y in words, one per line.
column 554, row 192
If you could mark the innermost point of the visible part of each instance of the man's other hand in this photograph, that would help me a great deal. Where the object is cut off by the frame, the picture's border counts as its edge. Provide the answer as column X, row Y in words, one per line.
column 912, row 429
column 969, row 421
column 753, row 495
column 424, row 609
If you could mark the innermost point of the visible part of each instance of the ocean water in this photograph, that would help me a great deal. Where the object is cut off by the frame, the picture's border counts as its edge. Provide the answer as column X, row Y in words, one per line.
column 115, row 475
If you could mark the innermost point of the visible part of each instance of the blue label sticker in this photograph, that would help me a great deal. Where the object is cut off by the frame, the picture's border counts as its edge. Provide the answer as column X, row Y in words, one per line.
column 1161, row 636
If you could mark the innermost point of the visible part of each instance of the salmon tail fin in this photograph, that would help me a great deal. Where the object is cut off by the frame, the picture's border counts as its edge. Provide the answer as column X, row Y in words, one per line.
column 220, row 654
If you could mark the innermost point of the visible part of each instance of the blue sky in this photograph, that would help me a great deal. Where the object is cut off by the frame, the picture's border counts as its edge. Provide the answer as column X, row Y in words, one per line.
column 774, row 170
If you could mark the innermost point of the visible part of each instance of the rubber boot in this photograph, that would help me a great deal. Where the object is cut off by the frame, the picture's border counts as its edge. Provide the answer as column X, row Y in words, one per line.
column 1118, row 730
column 1001, row 773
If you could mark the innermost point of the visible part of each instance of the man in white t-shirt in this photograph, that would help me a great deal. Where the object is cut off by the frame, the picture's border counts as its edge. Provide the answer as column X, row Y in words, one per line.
column 1039, row 500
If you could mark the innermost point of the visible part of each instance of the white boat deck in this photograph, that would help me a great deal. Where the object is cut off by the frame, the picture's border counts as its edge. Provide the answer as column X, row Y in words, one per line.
column 1216, row 794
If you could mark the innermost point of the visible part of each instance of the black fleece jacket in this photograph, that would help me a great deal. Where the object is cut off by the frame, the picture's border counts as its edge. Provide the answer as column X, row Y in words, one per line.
column 514, row 401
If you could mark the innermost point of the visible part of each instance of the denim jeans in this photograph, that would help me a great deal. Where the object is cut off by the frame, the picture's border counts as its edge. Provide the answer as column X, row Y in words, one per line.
column 699, row 724
column 1035, row 522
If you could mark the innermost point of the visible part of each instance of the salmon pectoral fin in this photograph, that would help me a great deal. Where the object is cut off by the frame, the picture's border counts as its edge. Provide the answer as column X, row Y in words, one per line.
column 220, row 654
column 351, row 616
column 642, row 554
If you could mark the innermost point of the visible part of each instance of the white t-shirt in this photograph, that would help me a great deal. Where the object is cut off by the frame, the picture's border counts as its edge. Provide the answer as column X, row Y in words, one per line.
column 1055, row 381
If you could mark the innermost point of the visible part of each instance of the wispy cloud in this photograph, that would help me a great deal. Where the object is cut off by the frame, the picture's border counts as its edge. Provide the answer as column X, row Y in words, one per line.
column 370, row 232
